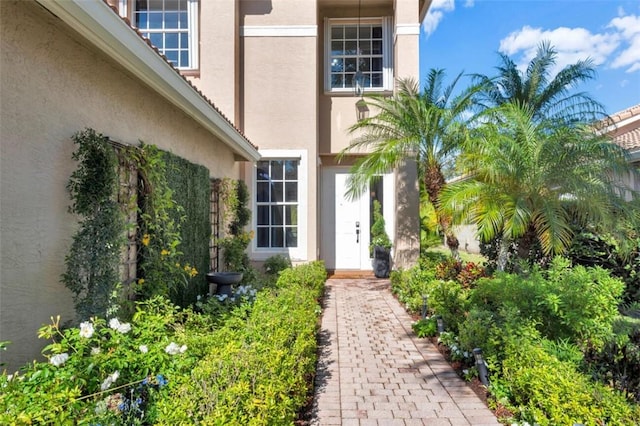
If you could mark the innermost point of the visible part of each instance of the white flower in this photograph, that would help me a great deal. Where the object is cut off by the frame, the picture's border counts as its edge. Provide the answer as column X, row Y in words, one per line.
column 221, row 297
column 143, row 348
column 86, row 329
column 95, row 351
column 114, row 323
column 101, row 407
column 124, row 328
column 59, row 359
column 111, row 378
column 173, row 349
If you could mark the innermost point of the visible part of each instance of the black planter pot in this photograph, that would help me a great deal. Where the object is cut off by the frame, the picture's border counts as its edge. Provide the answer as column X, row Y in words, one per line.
column 381, row 262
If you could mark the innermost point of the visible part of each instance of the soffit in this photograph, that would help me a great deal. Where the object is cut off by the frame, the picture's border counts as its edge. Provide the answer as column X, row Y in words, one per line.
column 101, row 26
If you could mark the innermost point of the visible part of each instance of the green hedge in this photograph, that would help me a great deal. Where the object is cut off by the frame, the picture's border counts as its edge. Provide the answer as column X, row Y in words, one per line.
column 258, row 370
column 191, row 187
column 173, row 366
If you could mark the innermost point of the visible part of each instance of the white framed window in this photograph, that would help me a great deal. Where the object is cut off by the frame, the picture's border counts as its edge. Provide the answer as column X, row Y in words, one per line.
column 280, row 204
column 364, row 45
column 170, row 25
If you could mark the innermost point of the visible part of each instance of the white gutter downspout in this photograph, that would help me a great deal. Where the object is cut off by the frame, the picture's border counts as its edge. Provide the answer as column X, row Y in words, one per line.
column 97, row 23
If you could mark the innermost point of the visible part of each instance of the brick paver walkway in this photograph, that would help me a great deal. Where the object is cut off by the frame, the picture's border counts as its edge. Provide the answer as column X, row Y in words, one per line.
column 374, row 371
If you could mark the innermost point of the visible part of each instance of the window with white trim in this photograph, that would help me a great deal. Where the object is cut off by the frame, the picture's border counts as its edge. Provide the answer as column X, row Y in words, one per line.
column 367, row 49
column 279, row 204
column 171, row 26
column 277, row 200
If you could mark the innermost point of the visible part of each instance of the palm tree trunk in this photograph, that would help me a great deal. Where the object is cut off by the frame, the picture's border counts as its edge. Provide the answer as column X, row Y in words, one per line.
column 503, row 254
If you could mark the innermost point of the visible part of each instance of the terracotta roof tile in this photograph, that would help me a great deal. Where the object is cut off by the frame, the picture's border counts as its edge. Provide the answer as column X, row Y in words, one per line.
column 210, row 102
column 624, row 127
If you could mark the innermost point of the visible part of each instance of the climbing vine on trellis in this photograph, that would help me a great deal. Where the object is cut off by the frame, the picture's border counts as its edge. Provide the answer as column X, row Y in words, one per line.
column 92, row 262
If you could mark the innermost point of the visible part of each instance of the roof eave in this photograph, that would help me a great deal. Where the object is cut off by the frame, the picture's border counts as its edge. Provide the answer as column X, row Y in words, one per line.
column 99, row 25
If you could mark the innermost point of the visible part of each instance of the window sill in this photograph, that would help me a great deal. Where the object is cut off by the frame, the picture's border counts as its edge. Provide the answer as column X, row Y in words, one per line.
column 190, row 73
column 351, row 94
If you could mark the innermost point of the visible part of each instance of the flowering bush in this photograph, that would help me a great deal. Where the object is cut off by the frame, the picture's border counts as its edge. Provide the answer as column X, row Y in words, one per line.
column 102, row 371
column 173, row 366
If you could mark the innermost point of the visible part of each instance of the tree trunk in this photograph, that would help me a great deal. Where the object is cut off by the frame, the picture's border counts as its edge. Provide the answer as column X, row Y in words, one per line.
column 503, row 254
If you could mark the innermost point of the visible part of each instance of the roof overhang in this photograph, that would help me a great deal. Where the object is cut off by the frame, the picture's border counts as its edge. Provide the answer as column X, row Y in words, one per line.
column 96, row 22
column 424, row 8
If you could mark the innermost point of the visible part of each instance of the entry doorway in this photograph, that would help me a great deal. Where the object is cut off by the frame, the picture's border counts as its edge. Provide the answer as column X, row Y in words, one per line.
column 346, row 224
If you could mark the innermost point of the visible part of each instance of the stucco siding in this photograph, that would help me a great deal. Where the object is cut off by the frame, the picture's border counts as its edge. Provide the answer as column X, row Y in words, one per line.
column 53, row 86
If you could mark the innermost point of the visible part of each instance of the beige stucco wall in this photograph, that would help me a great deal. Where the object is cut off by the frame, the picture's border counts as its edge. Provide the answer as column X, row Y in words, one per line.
column 278, row 90
column 53, row 86
column 218, row 77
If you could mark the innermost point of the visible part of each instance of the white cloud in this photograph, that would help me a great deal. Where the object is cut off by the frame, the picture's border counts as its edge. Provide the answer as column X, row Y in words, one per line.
column 628, row 27
column 436, row 12
column 618, row 46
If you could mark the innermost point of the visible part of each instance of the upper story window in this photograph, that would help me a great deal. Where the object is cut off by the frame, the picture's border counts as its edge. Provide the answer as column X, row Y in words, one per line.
column 171, row 26
column 367, row 49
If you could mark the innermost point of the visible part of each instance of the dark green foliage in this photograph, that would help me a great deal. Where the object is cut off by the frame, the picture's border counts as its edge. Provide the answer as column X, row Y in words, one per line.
column 379, row 235
column 191, row 189
column 160, row 268
column 93, row 259
column 591, row 249
column 234, row 246
column 242, row 214
column 618, row 363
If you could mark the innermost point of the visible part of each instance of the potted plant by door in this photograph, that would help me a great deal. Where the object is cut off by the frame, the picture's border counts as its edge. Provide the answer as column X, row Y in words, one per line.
column 380, row 244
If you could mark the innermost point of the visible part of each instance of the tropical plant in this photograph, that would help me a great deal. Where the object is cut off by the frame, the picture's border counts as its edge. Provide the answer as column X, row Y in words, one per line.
column 379, row 236
column 528, row 180
column 426, row 124
column 546, row 97
column 92, row 263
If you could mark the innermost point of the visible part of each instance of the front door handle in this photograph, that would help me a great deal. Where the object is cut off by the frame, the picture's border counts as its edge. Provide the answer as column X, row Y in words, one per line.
column 357, row 232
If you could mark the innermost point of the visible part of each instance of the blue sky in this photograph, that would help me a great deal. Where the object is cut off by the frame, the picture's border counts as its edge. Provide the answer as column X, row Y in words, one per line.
column 466, row 36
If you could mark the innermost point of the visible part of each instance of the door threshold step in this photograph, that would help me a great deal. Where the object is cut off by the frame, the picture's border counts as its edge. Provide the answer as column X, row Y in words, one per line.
column 349, row 274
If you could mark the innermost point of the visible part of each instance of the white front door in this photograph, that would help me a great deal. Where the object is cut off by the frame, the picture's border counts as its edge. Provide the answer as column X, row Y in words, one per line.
column 346, row 224
column 352, row 225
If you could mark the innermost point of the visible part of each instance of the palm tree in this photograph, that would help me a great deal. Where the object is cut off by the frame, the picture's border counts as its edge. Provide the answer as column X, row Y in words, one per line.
column 527, row 178
column 410, row 124
column 547, row 98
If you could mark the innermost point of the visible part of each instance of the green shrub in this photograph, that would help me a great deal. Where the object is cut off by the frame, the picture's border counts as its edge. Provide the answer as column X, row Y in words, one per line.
column 480, row 330
column 311, row 275
column 100, row 363
column 547, row 391
column 276, row 264
column 259, row 370
column 449, row 300
column 582, row 303
column 411, row 285
column 425, row 327
column 579, row 304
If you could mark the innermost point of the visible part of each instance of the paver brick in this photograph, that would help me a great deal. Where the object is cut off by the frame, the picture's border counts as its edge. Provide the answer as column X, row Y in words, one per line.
column 373, row 371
